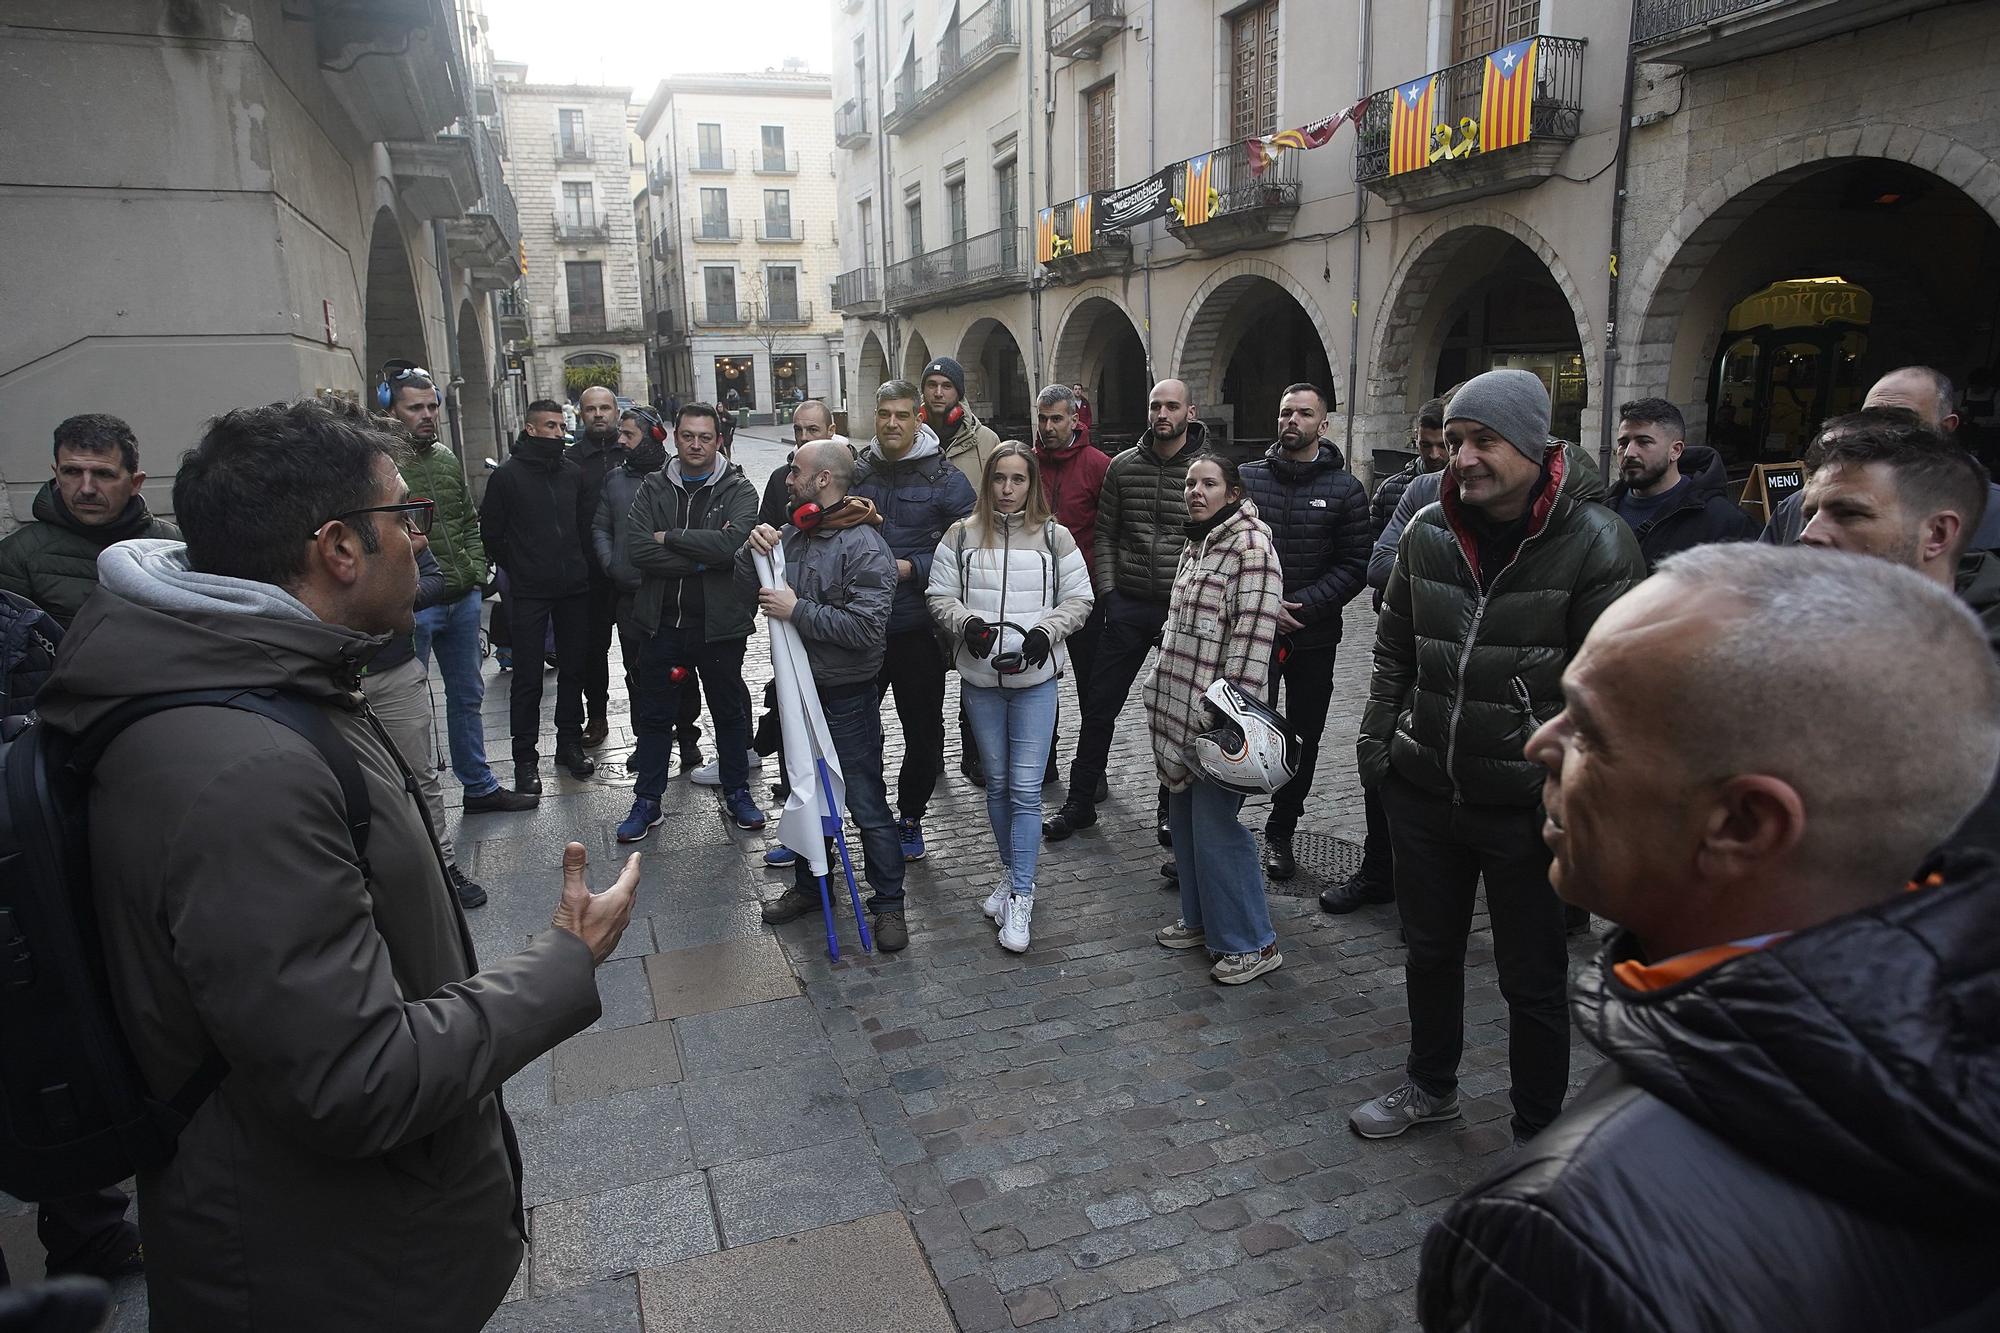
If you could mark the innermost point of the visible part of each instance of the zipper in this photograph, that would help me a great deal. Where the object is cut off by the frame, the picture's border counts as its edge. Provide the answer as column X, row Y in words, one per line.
column 1525, row 703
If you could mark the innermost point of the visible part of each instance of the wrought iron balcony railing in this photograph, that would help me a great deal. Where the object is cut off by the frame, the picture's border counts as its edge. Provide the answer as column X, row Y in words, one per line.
column 992, row 261
column 1082, row 27
column 857, row 288
column 1555, row 114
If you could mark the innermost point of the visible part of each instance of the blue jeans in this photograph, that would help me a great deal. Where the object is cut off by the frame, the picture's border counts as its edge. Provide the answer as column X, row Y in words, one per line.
column 454, row 627
column 1222, row 883
column 656, row 710
column 1015, row 729
column 854, row 716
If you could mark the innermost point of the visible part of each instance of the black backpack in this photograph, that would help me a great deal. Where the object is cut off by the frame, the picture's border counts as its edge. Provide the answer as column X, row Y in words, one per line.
column 75, row 1112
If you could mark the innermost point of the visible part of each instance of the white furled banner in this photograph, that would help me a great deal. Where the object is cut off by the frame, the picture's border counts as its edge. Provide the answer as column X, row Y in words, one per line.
column 806, row 821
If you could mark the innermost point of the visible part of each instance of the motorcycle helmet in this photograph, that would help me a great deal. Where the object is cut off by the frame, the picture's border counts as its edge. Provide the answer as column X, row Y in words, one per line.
column 1249, row 748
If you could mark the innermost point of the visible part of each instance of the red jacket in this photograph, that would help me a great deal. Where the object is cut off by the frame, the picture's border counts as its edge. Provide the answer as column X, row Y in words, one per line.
column 1071, row 479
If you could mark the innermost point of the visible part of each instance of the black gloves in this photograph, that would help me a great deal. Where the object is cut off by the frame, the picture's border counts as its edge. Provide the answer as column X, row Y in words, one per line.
column 1036, row 647
column 978, row 636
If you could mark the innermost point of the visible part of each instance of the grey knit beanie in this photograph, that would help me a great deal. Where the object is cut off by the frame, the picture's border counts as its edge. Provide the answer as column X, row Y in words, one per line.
column 1512, row 402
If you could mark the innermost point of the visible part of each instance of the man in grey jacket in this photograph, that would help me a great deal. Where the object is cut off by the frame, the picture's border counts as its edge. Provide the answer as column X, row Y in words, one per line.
column 840, row 581
column 354, row 1167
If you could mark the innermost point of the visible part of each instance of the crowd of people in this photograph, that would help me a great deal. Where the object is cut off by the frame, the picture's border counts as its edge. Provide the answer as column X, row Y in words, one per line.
column 1769, row 764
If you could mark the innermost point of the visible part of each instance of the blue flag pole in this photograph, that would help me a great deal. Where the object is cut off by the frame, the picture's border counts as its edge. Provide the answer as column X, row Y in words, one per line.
column 839, row 836
column 826, row 915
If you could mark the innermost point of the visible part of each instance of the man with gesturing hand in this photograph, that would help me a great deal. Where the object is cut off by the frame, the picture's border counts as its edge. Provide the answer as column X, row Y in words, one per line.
column 351, row 1165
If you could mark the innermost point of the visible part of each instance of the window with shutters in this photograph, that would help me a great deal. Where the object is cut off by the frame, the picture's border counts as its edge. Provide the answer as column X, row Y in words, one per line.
column 1253, row 71
column 1100, row 138
column 1488, row 25
column 579, row 204
column 569, row 127
column 718, row 289
column 1007, row 206
column 715, row 213
column 708, row 146
column 954, row 210
column 781, row 292
column 865, row 211
column 913, row 216
column 586, row 297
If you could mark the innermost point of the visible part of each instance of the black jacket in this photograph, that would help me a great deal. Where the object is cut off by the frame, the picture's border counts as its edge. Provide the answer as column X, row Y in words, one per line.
column 28, row 639
column 597, row 461
column 1806, row 1137
column 1700, row 514
column 1318, row 515
column 1389, row 493
column 534, row 523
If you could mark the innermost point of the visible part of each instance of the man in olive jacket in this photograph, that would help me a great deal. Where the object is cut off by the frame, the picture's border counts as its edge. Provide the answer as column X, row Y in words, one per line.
column 91, row 502
column 354, row 1169
column 1493, row 591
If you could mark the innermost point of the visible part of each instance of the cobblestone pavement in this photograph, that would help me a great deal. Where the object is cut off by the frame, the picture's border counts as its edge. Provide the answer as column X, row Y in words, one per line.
column 1090, row 1136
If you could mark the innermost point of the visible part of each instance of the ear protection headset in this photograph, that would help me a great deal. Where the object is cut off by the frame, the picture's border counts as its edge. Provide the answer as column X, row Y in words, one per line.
column 395, row 374
column 951, row 418
column 809, row 515
column 654, row 427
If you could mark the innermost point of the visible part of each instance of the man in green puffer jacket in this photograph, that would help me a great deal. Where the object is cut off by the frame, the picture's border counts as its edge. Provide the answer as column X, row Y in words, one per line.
column 92, row 502
column 1492, row 593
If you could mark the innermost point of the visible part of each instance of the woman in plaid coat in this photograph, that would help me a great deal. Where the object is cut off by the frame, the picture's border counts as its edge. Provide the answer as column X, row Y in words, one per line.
column 1221, row 622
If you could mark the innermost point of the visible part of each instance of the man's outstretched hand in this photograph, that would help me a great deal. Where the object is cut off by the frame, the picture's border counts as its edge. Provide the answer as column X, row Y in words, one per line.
column 598, row 919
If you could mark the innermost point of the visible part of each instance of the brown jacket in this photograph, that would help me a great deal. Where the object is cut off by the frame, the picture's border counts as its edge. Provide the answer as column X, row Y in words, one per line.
column 355, row 1169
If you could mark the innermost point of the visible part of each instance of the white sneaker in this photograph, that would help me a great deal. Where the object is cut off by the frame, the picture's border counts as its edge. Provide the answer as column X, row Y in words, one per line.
column 995, row 905
column 1014, row 931
column 710, row 774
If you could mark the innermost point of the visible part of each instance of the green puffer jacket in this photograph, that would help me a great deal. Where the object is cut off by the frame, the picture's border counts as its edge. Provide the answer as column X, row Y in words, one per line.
column 435, row 474
column 1142, row 520
column 53, row 561
column 1463, row 678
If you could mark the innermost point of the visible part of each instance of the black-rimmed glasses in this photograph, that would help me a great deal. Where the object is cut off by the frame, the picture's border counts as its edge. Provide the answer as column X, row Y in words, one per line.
column 417, row 515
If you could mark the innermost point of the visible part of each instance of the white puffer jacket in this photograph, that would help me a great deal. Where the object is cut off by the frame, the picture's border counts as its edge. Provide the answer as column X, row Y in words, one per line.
column 1029, row 579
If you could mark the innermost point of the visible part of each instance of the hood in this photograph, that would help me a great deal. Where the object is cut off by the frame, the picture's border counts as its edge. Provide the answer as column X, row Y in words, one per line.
column 965, row 436
column 1558, row 497
column 155, row 625
column 926, row 445
column 1860, row 1057
column 1328, row 459
column 538, row 452
column 1077, row 444
column 1197, row 440
column 49, row 508
column 723, row 470
column 1978, row 585
column 1704, row 470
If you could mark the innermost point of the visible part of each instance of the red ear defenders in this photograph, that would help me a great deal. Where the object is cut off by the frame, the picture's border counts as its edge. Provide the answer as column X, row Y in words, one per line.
column 654, row 427
column 951, row 418
column 809, row 515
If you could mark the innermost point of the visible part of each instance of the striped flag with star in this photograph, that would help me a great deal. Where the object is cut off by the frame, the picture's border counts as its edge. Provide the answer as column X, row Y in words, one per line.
column 1410, row 125
column 1507, row 97
column 1199, row 186
column 1081, row 228
column 1045, row 235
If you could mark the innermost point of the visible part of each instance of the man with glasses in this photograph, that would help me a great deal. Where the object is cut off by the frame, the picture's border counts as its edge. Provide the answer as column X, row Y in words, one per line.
column 358, row 1120
column 449, row 622
column 536, row 528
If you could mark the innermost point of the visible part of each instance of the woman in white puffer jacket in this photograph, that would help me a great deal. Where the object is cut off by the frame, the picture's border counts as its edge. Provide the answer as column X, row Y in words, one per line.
column 1008, row 585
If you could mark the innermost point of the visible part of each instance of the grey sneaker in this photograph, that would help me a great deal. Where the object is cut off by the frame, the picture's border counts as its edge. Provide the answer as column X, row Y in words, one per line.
column 1180, row 935
column 1233, row 969
column 1396, row 1110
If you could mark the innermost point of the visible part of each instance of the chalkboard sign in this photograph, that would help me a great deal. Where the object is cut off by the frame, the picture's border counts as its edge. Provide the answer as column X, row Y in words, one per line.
column 1771, row 484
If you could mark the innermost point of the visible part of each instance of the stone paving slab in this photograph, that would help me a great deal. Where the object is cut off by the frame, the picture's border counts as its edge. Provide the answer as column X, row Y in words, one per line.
column 601, row 1307
column 866, row 1274
column 718, row 976
column 586, row 1147
column 751, row 1036
column 597, row 1064
column 733, row 1117
column 686, row 926
column 835, row 1181
column 625, row 993
column 619, row 1231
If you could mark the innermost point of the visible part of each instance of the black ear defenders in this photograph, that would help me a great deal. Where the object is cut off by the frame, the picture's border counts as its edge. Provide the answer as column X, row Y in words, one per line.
column 951, row 418
column 1013, row 663
column 395, row 374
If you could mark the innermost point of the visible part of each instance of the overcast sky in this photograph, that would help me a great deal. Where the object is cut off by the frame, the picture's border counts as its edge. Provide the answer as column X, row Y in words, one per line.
column 638, row 42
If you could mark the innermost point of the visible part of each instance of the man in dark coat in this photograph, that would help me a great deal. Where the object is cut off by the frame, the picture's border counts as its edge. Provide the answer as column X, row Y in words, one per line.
column 597, row 452
column 1798, row 1127
column 536, row 529
column 1318, row 515
column 1427, row 434
column 1671, row 495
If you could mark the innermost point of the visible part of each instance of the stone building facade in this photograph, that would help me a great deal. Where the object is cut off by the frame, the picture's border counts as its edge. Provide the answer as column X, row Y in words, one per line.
column 739, row 249
column 267, row 208
column 571, row 161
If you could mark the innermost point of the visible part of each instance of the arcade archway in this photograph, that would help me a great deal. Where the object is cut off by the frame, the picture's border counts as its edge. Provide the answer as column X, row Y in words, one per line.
column 1247, row 337
column 393, row 321
column 1098, row 346
column 996, row 379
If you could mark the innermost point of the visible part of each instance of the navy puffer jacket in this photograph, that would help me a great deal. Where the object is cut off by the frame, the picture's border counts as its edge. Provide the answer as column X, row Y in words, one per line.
column 1318, row 515
column 919, row 496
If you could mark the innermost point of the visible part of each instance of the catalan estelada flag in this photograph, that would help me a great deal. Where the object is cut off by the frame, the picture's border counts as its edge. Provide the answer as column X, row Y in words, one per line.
column 1081, row 221
column 1410, row 125
column 1507, row 98
column 1197, row 200
column 1045, row 235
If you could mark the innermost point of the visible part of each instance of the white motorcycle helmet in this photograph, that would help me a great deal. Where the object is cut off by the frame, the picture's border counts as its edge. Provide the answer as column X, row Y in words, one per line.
column 1249, row 749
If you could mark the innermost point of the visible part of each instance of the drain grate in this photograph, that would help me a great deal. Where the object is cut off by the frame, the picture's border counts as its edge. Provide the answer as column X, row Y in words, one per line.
column 1324, row 860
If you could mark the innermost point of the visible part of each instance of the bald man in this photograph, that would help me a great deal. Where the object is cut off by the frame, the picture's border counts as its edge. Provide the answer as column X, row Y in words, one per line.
column 1141, row 528
column 598, row 452
column 811, row 420
column 1798, row 1126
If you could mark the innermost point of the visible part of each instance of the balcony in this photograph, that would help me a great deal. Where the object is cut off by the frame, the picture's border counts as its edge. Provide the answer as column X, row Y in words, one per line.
column 767, row 163
column 781, row 231
column 437, row 178
column 663, row 243
column 720, row 315
column 1694, row 33
column 575, row 327
column 485, row 100
column 858, row 292
column 657, row 177
column 1458, row 168
column 581, row 230
column 1082, row 27
column 571, row 149
column 513, row 315
column 997, row 261
column 716, row 231
column 393, row 67
column 719, row 163
column 665, row 326
column 1102, row 251
column 981, row 41
column 487, row 240
column 850, row 123
column 1245, row 212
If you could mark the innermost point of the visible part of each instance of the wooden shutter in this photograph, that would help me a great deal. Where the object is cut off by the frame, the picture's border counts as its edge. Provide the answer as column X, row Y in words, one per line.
column 1253, row 71
column 1101, row 139
column 1487, row 25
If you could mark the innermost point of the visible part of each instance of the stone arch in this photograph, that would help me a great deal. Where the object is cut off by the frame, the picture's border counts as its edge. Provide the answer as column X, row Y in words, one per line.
column 1207, row 334
column 996, row 377
column 916, row 355
column 478, row 429
column 873, row 368
column 1393, row 388
column 392, row 318
column 1662, row 283
column 1098, row 345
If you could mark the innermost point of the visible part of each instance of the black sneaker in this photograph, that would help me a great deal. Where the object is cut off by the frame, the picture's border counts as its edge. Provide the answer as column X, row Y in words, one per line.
column 1278, row 860
column 501, row 801
column 1352, row 894
column 1103, row 792
column 470, row 895
column 974, row 771
column 892, row 935
column 790, row 905
column 570, row 755
column 691, row 756
column 595, row 732
column 1068, row 820
column 527, row 777
column 1170, row 871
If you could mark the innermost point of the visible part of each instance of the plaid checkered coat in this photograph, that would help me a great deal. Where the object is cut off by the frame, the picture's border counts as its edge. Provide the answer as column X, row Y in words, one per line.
column 1222, row 621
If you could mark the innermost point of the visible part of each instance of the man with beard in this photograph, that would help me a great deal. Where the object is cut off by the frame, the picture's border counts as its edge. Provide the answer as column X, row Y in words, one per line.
column 92, row 501
column 597, row 453
column 1318, row 515
column 1672, row 495
column 1427, row 434
column 1072, row 477
column 536, row 529
column 1141, row 528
